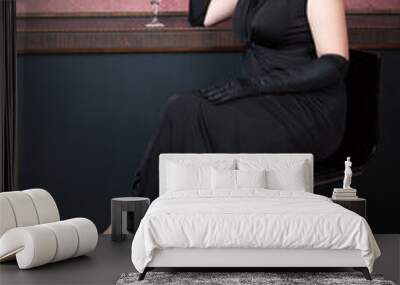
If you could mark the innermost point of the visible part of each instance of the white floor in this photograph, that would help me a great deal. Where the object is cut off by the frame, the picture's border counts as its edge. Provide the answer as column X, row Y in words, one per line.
column 389, row 262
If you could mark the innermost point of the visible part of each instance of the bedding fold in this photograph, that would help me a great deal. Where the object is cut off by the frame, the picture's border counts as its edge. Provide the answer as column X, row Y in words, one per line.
column 251, row 218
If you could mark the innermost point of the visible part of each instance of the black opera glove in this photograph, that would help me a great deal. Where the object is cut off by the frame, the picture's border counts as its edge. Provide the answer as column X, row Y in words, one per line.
column 197, row 11
column 233, row 89
column 317, row 74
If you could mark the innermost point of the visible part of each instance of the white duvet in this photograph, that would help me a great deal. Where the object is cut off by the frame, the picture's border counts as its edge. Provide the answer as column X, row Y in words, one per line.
column 250, row 219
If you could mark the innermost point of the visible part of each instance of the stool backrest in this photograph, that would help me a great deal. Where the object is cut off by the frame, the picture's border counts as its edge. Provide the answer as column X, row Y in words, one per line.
column 362, row 126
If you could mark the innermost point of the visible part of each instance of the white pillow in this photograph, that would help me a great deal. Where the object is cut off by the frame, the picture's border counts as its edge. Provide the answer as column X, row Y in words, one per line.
column 223, row 179
column 251, row 178
column 290, row 175
column 237, row 179
column 192, row 174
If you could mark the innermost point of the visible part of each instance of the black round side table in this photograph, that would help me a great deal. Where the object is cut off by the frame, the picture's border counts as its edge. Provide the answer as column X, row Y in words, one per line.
column 135, row 208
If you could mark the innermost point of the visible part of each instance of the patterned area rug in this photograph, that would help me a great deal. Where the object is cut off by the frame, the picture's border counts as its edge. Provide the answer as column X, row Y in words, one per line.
column 253, row 278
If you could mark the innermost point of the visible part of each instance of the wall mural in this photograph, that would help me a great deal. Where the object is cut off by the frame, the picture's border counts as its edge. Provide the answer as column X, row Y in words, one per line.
column 70, row 6
column 96, row 141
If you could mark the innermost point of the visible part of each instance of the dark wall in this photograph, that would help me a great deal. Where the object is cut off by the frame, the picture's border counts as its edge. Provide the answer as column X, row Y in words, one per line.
column 84, row 121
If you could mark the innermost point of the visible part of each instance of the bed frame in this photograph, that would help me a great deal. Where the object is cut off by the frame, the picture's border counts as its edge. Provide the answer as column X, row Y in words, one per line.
column 242, row 259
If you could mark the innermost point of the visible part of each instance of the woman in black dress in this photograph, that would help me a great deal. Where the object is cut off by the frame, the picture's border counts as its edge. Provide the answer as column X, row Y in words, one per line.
column 291, row 95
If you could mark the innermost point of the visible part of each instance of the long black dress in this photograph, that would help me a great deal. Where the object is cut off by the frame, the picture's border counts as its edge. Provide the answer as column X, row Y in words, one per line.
column 277, row 36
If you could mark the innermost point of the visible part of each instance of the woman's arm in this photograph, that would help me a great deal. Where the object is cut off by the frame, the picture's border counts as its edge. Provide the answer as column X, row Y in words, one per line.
column 328, row 26
column 210, row 12
column 198, row 11
column 330, row 36
column 219, row 10
column 317, row 74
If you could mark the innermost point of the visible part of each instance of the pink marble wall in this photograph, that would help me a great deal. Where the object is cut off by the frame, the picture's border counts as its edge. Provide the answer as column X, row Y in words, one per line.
column 62, row 6
column 373, row 4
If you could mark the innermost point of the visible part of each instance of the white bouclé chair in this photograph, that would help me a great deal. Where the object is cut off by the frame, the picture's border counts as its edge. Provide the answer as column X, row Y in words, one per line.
column 31, row 230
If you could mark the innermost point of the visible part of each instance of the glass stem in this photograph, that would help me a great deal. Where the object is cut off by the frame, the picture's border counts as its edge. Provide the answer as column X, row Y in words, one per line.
column 156, row 12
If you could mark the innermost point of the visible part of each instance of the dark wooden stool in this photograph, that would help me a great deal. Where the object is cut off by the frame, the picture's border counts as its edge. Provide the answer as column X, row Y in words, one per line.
column 135, row 208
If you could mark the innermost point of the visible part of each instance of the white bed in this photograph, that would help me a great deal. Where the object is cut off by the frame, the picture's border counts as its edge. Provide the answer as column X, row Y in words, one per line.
column 250, row 227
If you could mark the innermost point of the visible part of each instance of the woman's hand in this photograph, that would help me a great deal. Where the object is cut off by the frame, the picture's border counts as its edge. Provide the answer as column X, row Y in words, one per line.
column 217, row 93
column 232, row 90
